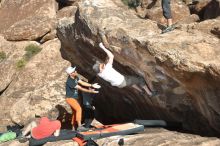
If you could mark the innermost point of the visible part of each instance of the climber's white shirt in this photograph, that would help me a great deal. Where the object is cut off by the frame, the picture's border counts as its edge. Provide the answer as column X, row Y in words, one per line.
column 111, row 75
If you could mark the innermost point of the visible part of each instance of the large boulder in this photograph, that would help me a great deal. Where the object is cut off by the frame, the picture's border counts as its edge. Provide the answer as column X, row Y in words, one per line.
column 27, row 19
column 38, row 87
column 64, row 12
column 206, row 9
column 18, row 84
column 11, row 53
column 182, row 66
column 199, row 8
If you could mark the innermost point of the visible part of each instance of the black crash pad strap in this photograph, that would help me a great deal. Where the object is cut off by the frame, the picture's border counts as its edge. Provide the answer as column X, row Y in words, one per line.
column 64, row 135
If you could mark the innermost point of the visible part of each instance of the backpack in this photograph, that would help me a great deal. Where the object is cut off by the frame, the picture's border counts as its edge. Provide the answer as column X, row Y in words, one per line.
column 15, row 128
column 7, row 136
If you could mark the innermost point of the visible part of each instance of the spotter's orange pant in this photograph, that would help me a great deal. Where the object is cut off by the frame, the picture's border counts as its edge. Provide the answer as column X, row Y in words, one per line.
column 77, row 110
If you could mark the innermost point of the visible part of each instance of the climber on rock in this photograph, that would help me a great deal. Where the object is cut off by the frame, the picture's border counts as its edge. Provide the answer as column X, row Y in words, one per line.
column 73, row 84
column 109, row 74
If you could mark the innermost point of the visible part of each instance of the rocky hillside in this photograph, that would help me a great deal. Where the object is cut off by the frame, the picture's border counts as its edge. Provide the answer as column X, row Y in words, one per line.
column 32, row 82
column 182, row 65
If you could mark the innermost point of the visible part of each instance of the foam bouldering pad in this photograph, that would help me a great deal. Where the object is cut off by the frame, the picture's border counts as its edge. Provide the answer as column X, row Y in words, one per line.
column 159, row 123
column 111, row 130
column 64, row 135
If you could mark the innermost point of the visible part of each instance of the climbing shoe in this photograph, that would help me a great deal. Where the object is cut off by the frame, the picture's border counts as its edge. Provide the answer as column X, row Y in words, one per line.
column 168, row 29
column 103, row 38
column 82, row 129
column 73, row 128
column 154, row 93
column 22, row 139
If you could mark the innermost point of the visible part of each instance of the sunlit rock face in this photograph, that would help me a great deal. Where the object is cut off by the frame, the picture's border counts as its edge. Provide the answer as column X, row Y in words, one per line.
column 182, row 65
column 35, row 88
column 27, row 19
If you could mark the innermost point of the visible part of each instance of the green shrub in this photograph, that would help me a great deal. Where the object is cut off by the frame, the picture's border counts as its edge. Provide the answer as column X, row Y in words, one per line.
column 21, row 63
column 131, row 3
column 2, row 56
column 31, row 50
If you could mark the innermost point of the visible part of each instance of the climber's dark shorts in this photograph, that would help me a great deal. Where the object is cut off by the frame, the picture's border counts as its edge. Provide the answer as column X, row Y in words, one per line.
column 131, row 80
